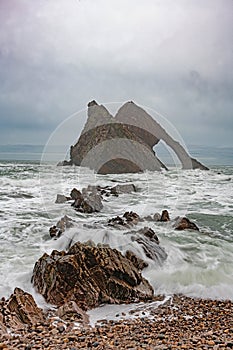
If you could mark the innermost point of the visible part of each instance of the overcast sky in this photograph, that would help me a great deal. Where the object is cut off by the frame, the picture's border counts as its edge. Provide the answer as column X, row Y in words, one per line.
column 175, row 57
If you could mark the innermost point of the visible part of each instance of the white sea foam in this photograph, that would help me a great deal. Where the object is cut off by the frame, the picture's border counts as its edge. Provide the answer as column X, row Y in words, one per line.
column 198, row 263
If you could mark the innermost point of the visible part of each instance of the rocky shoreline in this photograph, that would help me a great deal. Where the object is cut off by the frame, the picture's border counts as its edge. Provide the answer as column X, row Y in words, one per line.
column 178, row 323
column 82, row 280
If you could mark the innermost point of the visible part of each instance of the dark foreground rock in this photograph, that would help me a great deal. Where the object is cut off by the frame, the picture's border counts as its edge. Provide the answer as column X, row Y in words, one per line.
column 139, row 263
column 89, row 276
column 19, row 311
column 180, row 323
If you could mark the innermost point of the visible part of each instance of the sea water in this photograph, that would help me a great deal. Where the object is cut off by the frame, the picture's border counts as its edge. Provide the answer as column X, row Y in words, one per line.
column 198, row 264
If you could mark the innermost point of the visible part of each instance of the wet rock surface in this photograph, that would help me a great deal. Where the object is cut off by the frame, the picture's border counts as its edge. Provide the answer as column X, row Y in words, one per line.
column 185, row 224
column 125, row 188
column 89, row 199
column 19, row 311
column 139, row 263
column 147, row 238
column 128, row 219
column 62, row 199
column 164, row 216
column 180, row 323
column 89, row 276
column 62, row 225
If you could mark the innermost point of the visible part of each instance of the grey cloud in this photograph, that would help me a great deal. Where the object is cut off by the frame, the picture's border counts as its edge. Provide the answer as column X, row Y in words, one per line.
column 175, row 57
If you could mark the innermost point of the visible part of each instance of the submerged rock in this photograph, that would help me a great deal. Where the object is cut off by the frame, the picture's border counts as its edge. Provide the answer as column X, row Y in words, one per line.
column 89, row 276
column 149, row 233
column 65, row 163
column 62, row 225
column 145, row 237
column 185, row 224
column 127, row 220
column 149, row 241
column 124, row 188
column 62, row 199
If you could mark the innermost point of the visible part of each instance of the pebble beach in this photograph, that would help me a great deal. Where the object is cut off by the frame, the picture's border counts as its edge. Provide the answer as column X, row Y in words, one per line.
column 179, row 323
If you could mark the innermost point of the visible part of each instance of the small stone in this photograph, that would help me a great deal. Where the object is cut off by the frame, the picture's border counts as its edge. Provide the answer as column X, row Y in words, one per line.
column 28, row 347
column 230, row 344
column 161, row 336
column 61, row 329
column 54, row 331
column 210, row 342
column 3, row 346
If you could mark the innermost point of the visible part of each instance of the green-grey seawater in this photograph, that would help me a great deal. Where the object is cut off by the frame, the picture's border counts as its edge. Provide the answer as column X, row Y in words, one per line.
column 198, row 263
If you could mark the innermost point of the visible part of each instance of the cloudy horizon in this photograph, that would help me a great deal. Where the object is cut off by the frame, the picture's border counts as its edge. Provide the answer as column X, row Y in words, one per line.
column 173, row 57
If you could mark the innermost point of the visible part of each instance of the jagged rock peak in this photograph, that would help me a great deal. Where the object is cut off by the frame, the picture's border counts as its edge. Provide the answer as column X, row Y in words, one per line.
column 92, row 103
column 97, row 115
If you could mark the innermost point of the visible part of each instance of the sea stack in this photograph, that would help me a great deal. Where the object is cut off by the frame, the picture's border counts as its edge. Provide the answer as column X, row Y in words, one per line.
column 124, row 143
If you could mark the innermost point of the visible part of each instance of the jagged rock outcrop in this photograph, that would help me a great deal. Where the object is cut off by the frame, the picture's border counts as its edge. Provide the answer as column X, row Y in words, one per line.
column 127, row 220
column 185, row 224
column 149, row 242
column 124, row 143
column 145, row 237
column 62, row 225
column 3, row 328
column 19, row 311
column 164, row 216
column 87, row 201
column 89, row 276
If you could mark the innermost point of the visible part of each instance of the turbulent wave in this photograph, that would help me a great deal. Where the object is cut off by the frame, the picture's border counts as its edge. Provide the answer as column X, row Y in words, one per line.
column 198, row 263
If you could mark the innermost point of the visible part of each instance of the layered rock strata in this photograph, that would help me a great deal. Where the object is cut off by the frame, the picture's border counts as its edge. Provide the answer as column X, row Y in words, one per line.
column 19, row 311
column 89, row 276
